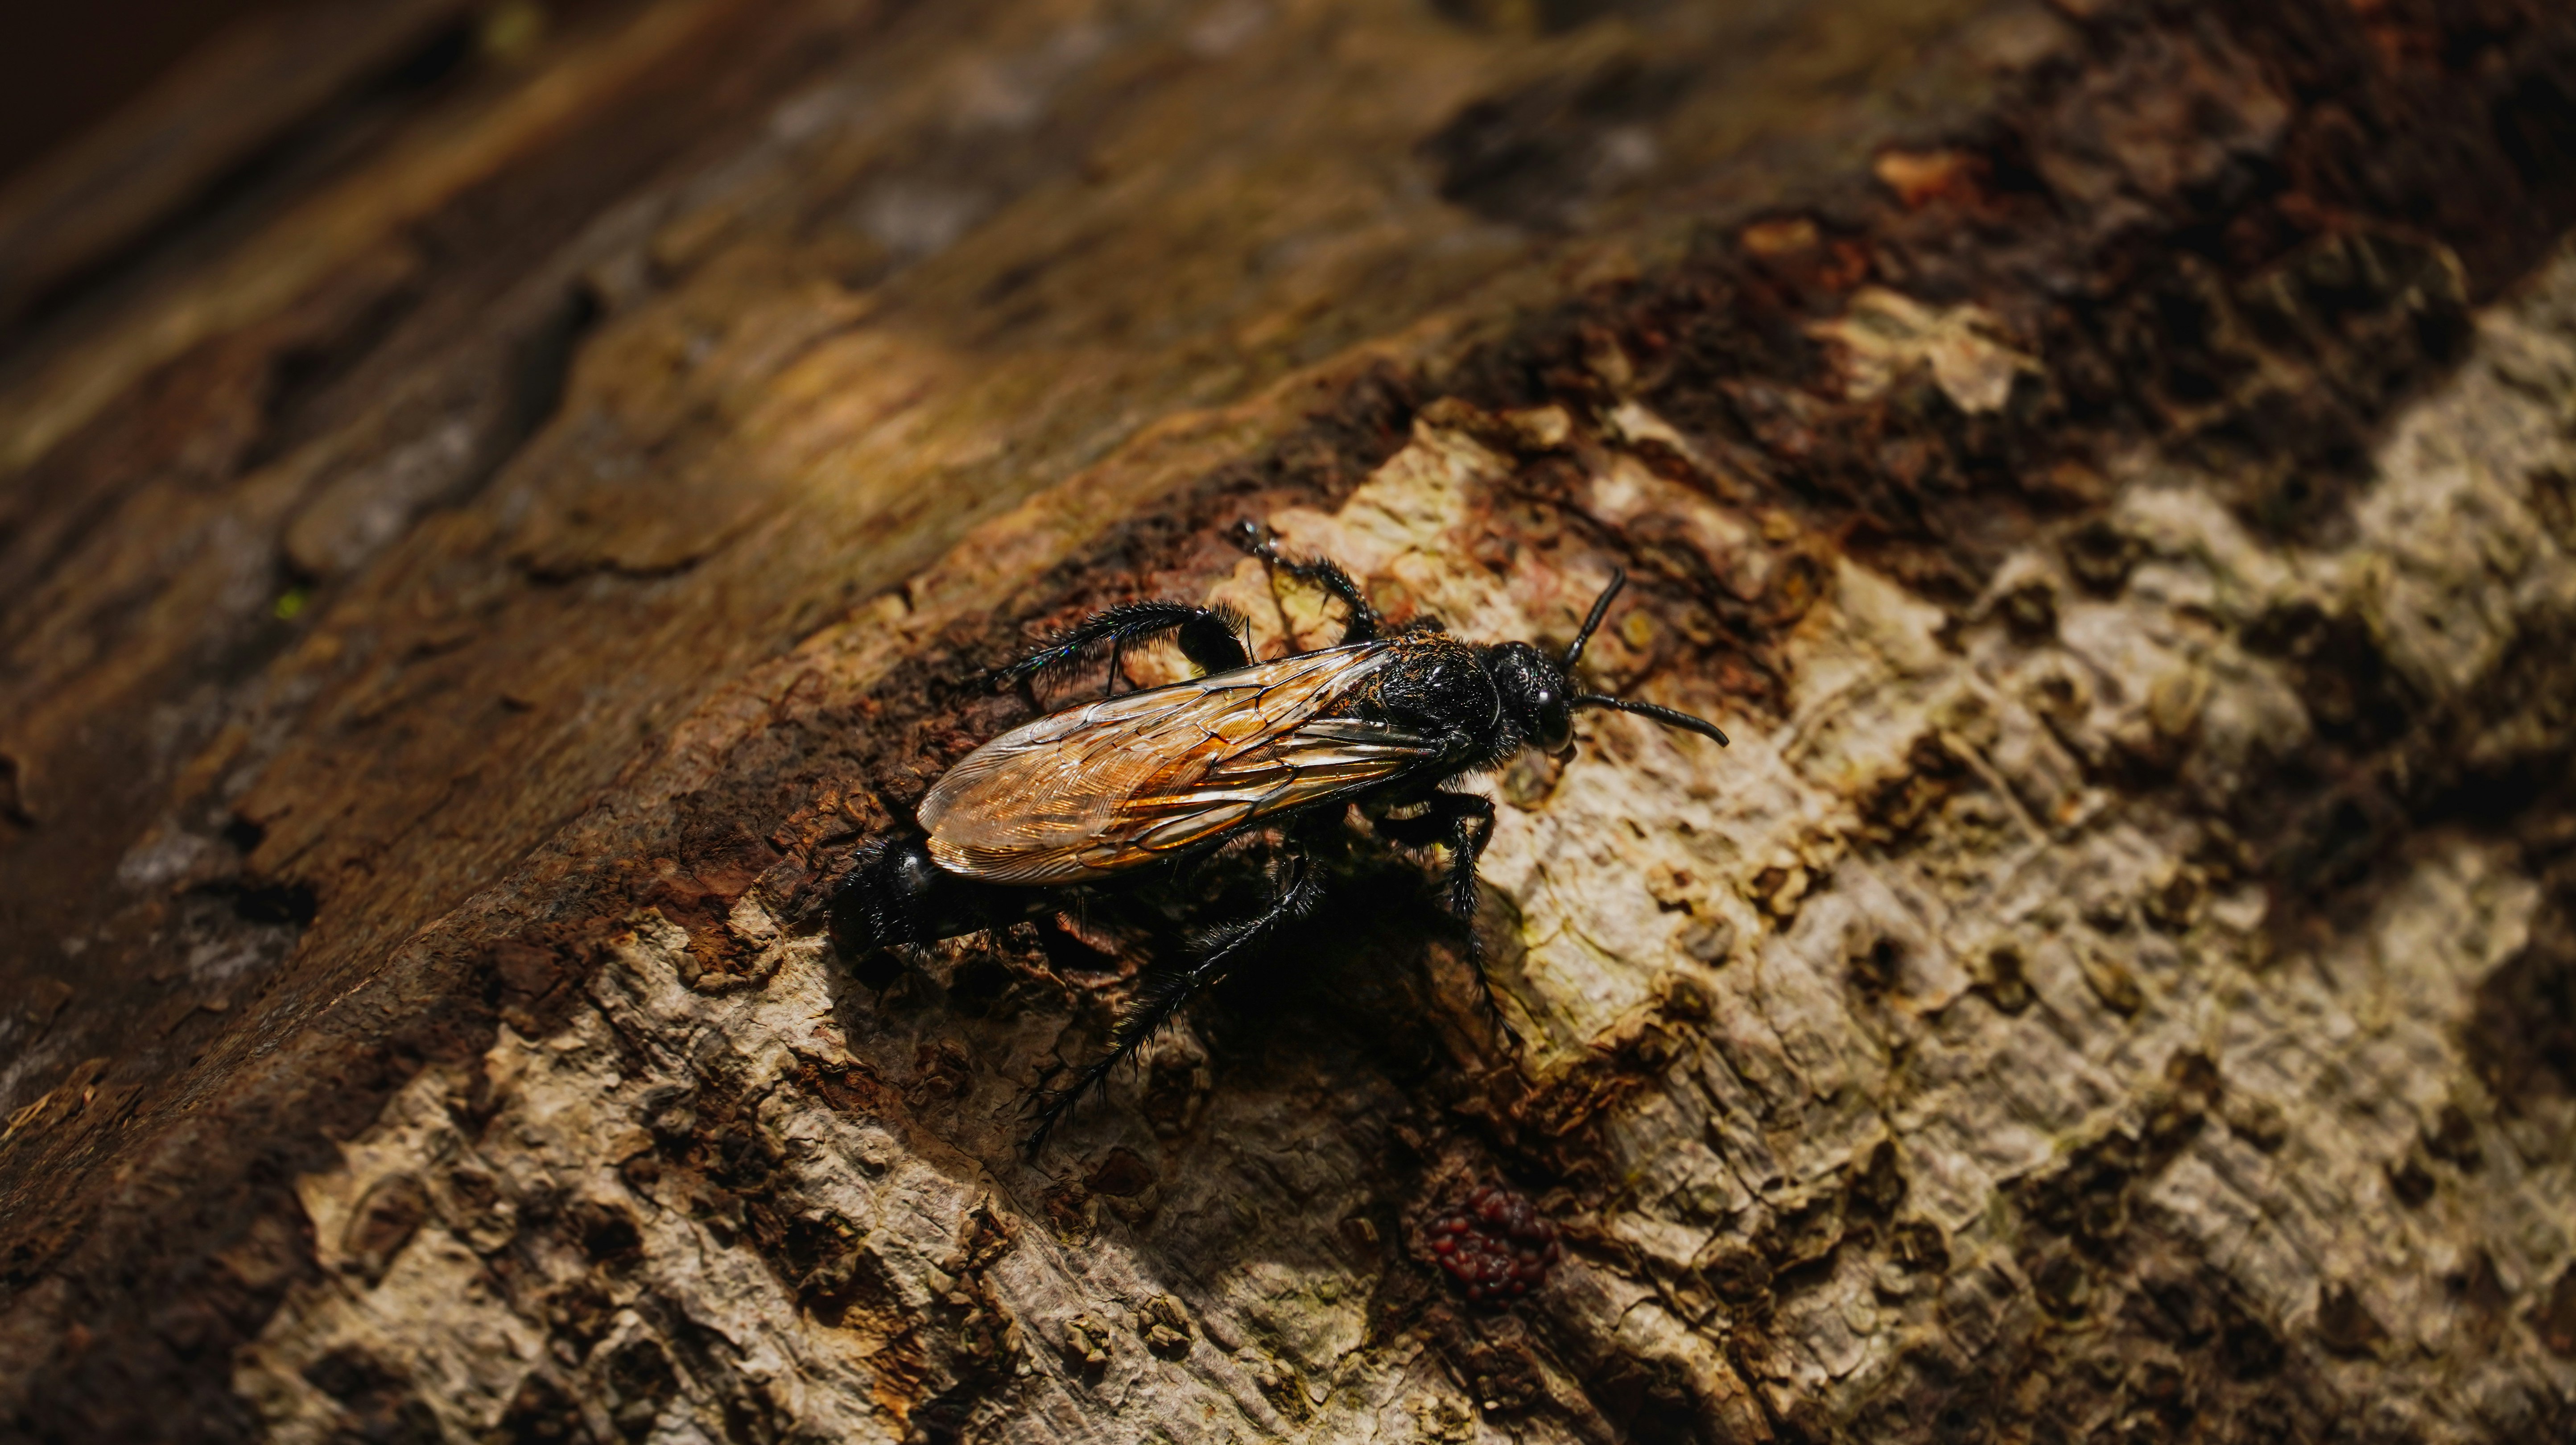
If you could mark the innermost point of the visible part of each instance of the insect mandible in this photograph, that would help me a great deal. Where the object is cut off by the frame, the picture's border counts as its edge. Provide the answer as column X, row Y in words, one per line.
column 1384, row 719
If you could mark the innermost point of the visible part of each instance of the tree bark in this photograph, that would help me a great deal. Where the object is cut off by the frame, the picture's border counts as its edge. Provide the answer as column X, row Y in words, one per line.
column 491, row 524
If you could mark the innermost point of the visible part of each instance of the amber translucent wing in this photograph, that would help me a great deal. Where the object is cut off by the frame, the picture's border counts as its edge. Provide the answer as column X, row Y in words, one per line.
column 1132, row 780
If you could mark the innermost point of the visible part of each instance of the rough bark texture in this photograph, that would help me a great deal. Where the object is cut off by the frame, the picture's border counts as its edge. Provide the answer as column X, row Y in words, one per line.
column 486, row 534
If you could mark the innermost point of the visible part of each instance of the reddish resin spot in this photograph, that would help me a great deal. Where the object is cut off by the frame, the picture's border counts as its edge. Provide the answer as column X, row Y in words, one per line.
column 1495, row 1245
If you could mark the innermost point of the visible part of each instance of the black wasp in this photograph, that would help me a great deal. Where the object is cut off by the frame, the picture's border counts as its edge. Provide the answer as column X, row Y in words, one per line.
column 1163, row 774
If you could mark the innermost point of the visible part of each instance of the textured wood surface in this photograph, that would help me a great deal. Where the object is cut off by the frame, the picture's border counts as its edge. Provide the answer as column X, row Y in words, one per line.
column 484, row 537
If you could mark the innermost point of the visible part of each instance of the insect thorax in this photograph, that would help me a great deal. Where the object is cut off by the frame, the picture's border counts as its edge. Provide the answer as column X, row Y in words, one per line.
column 1439, row 684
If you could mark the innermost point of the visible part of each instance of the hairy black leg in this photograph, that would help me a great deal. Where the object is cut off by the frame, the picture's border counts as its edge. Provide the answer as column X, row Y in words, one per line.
column 1465, row 822
column 1362, row 623
column 1471, row 828
column 1162, row 991
column 1210, row 637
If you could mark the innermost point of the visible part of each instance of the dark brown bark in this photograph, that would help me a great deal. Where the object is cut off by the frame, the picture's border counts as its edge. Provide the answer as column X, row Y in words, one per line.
column 474, row 574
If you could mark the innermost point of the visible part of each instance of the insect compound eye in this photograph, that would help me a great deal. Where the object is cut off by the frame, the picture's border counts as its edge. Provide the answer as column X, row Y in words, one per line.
column 1553, row 722
column 1533, row 692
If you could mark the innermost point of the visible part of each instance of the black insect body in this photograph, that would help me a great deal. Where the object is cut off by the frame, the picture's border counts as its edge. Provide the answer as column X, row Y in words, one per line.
column 1091, row 793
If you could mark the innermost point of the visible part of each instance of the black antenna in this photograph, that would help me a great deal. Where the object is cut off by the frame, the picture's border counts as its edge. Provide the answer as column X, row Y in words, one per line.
column 1667, row 716
column 1600, row 607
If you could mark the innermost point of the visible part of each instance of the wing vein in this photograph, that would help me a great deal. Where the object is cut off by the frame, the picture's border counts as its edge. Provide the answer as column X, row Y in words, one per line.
column 1129, row 780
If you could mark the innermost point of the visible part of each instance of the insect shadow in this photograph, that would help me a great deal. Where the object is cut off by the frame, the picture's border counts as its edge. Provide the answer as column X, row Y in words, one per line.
column 1097, row 805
